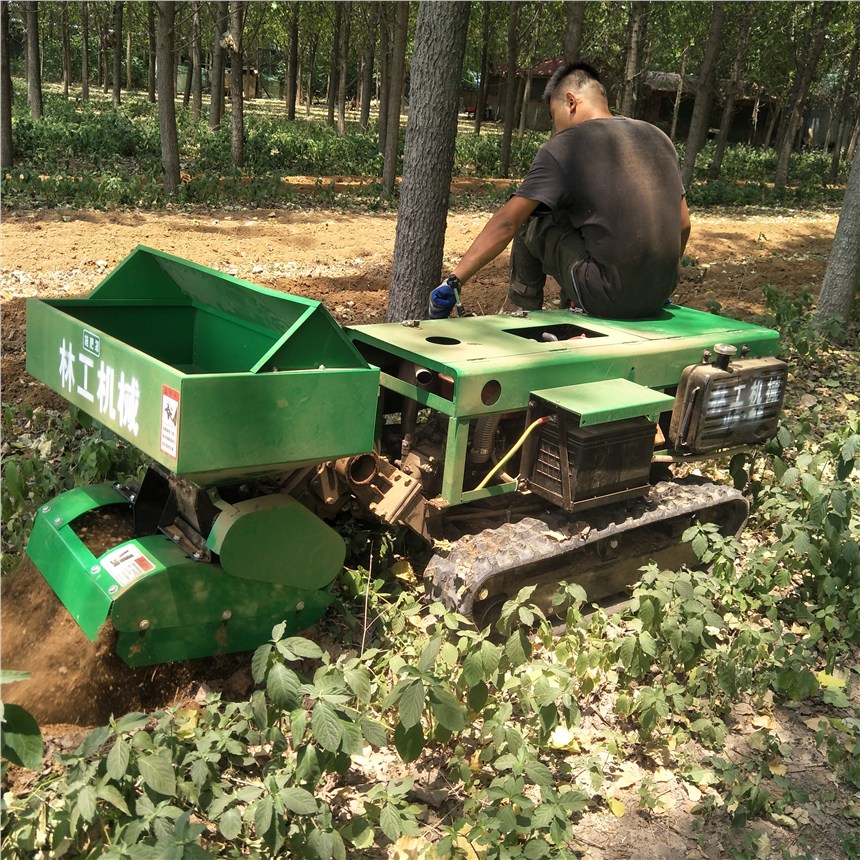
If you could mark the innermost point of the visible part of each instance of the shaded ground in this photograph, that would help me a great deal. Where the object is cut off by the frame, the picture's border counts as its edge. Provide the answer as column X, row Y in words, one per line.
column 344, row 259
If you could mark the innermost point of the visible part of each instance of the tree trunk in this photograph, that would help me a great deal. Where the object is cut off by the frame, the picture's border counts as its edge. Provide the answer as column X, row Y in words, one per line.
column 429, row 157
column 67, row 53
column 511, row 91
column 385, row 42
column 842, row 277
column 843, row 105
column 166, row 106
column 293, row 62
column 216, row 81
column 313, row 59
column 34, row 64
column 483, row 81
column 704, row 94
column 679, row 92
column 572, row 40
column 237, row 95
column 524, row 107
column 196, row 66
column 342, row 59
column 129, row 83
column 7, row 149
column 331, row 90
column 635, row 52
column 367, row 68
column 85, row 51
column 818, row 27
column 734, row 85
column 117, row 52
column 395, row 95
column 150, row 51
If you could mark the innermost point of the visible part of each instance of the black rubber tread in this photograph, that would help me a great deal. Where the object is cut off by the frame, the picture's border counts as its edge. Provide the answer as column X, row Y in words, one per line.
column 457, row 575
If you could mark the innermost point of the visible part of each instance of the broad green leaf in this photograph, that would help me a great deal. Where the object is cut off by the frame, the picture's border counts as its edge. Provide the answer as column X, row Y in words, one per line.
column 321, row 844
column 409, row 742
column 518, row 648
column 284, row 687
column 157, row 773
column 473, row 669
column 10, row 676
column 20, row 739
column 93, row 742
column 450, row 655
column 263, row 815
column 230, row 824
column 117, row 760
column 260, row 662
column 131, row 722
column 299, row 648
column 200, row 772
column 374, row 732
column 85, row 804
column 491, row 655
column 411, row 705
column 539, row 774
column 259, row 710
column 429, row 654
column 389, row 821
column 358, row 680
column 298, row 801
column 326, row 726
column 352, row 743
column 110, row 794
column 627, row 651
column 359, row 832
column 447, row 710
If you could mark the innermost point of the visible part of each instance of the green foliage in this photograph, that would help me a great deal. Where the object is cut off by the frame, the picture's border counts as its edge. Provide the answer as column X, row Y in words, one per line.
column 49, row 453
column 20, row 738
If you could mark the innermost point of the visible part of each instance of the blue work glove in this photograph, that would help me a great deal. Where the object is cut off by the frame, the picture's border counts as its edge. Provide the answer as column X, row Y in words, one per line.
column 443, row 298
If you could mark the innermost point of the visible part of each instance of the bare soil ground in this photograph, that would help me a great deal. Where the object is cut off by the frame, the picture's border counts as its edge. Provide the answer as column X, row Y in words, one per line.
column 344, row 259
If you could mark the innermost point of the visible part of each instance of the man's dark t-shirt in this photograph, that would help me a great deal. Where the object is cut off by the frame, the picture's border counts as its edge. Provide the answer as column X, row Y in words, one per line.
column 619, row 181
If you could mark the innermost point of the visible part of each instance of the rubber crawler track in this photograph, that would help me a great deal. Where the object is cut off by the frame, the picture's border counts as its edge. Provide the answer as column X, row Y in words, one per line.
column 463, row 576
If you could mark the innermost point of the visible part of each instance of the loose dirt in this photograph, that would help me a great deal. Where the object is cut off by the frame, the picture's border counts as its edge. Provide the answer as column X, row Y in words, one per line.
column 343, row 259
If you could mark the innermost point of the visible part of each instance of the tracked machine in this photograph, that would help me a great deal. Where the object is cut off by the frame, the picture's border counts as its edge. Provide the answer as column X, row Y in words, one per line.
column 538, row 445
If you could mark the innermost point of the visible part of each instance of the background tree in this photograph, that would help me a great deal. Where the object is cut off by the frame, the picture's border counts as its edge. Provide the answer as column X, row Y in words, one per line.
column 371, row 12
column 6, row 143
column 429, row 156
column 117, row 52
column 166, row 105
column 331, row 92
column 233, row 46
column 34, row 60
column 293, row 62
column 633, row 68
column 150, row 52
column 343, row 63
column 196, row 62
column 511, row 89
column 216, row 78
column 842, row 277
column 67, row 52
column 572, row 39
column 396, row 76
column 704, row 94
column 85, row 51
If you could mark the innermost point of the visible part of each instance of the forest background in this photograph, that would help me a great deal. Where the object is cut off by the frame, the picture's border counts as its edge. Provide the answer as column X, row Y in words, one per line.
column 692, row 723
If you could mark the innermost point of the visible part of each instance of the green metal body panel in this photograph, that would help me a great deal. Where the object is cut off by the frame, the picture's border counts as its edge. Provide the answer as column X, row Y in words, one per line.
column 497, row 362
column 165, row 606
column 612, row 400
column 212, row 377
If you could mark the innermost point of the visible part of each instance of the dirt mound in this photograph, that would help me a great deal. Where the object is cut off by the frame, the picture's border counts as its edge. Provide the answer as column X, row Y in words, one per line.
column 83, row 683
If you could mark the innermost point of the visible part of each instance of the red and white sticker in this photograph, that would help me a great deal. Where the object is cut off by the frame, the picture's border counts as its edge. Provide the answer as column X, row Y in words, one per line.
column 169, row 421
column 126, row 563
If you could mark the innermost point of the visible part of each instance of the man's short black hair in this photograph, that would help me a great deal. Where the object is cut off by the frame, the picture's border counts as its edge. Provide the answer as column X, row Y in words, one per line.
column 579, row 75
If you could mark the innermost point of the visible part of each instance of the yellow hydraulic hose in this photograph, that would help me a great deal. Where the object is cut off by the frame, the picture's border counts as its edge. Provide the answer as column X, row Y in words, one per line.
column 517, row 445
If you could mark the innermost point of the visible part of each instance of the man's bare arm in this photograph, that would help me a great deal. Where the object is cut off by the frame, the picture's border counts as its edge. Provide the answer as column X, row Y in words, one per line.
column 685, row 225
column 495, row 237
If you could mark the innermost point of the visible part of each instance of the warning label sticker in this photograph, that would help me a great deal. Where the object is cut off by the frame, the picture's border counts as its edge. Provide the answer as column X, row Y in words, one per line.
column 127, row 563
column 169, row 421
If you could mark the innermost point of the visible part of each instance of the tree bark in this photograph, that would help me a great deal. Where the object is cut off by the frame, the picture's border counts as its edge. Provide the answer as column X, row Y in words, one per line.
column 293, row 62
column 34, row 64
column 676, row 109
column 331, row 90
column 842, row 277
column 313, row 58
column 483, row 81
column 117, row 52
column 395, row 95
column 129, row 83
column 704, row 94
column 843, row 105
column 67, row 53
column 237, row 95
column 511, row 93
column 85, row 50
column 734, row 85
column 216, row 92
column 818, row 27
column 429, row 157
column 166, row 106
column 150, row 50
column 196, row 62
column 7, row 149
column 342, row 58
column 367, row 58
column 635, row 52
column 385, row 42
column 572, row 40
